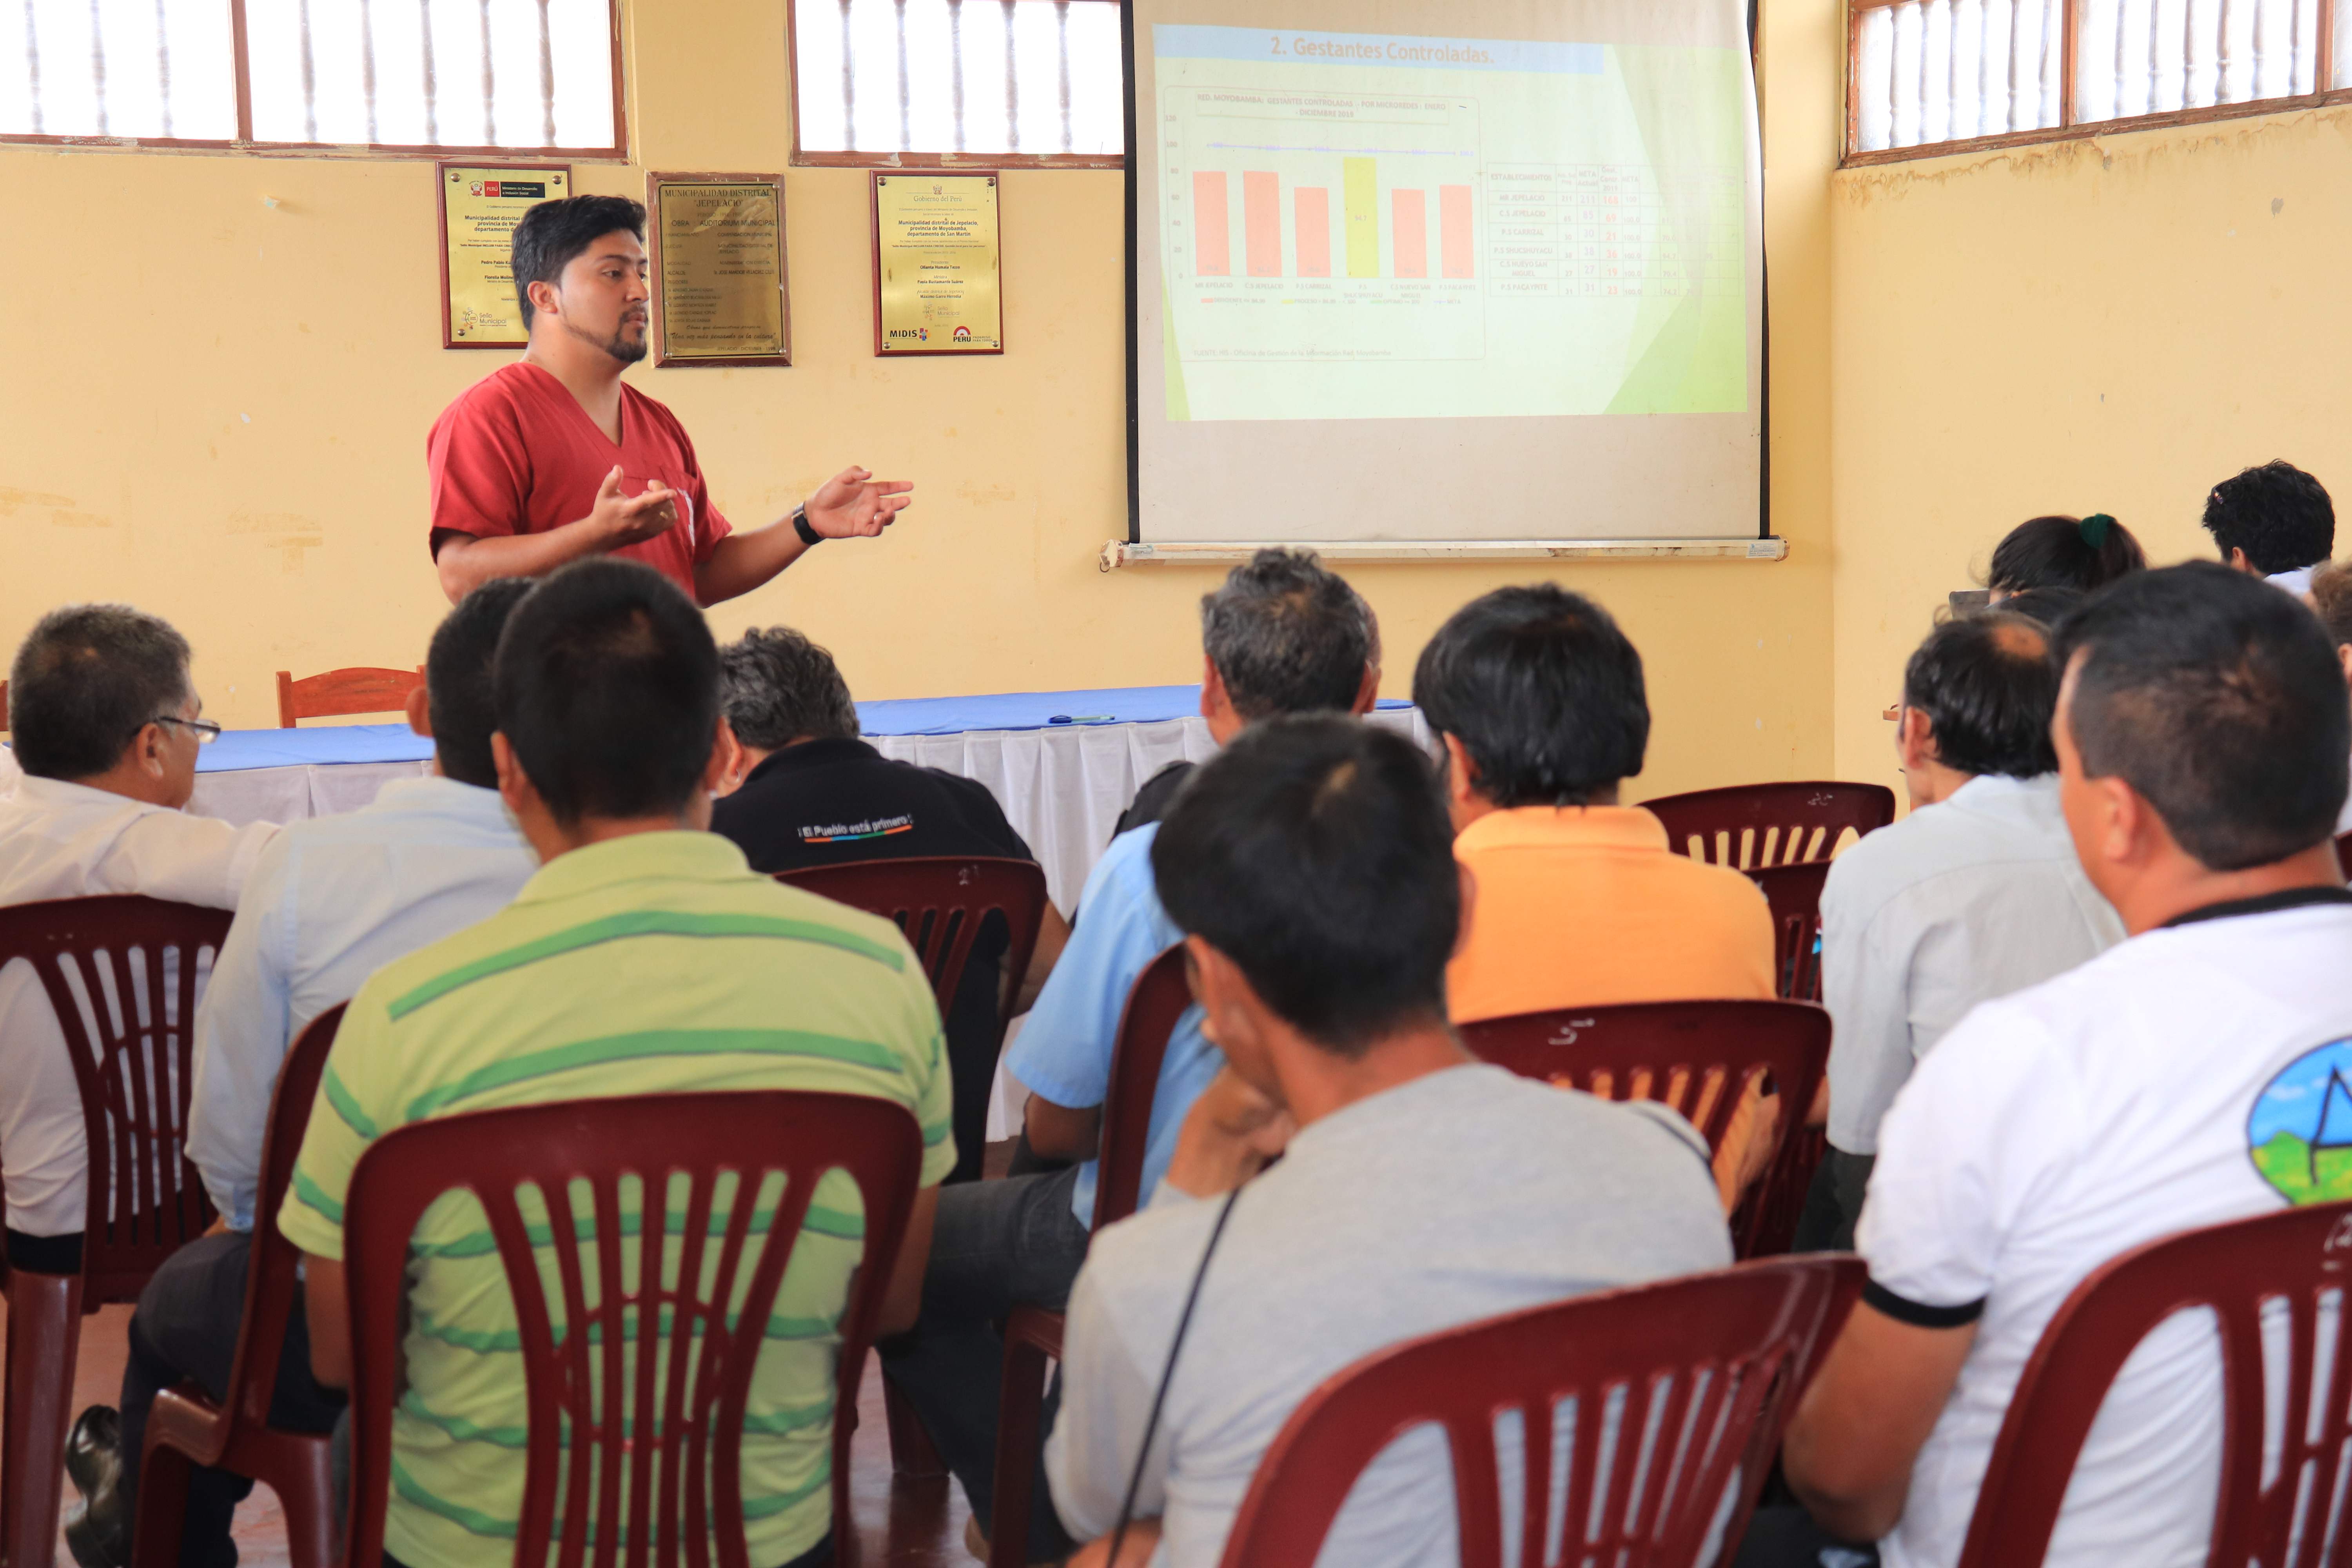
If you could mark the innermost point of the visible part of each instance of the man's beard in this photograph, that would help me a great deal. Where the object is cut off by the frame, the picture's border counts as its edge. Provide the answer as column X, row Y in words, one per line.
column 618, row 345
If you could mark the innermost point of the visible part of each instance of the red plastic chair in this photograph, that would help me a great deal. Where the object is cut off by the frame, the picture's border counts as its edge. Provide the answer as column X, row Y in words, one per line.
column 185, row 1428
column 2299, row 1259
column 1794, row 893
column 2343, row 851
column 130, row 1030
column 1711, row 1364
column 1032, row 1336
column 940, row 901
column 357, row 688
column 1748, row 825
column 588, row 1432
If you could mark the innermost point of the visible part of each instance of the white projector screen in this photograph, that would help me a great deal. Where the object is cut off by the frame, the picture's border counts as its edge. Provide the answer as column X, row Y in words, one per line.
column 1444, row 270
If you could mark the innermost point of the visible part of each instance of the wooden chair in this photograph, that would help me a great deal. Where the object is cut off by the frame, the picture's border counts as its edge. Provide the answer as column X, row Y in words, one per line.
column 591, row 1431
column 1749, row 826
column 941, row 902
column 185, row 1428
column 1711, row 1364
column 359, row 689
column 1699, row 1058
column 120, row 975
column 2278, row 1278
column 1032, row 1336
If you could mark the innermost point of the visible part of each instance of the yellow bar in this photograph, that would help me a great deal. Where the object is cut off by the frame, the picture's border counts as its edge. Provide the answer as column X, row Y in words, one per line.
column 1363, row 199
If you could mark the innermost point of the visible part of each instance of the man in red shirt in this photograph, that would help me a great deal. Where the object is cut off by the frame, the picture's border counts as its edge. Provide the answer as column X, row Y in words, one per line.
column 553, row 458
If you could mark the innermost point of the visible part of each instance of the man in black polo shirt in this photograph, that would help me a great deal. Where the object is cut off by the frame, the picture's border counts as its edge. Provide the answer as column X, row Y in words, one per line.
column 818, row 795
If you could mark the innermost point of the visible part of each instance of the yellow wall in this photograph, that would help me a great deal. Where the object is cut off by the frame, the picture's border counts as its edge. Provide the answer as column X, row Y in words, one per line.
column 2108, row 325
column 217, row 410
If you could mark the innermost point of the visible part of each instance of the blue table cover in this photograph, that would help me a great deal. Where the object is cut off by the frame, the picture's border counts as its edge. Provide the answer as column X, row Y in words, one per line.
column 334, row 743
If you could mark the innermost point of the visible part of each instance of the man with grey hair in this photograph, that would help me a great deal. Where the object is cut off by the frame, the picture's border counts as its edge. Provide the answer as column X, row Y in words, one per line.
column 106, row 724
column 1282, row 634
column 815, row 795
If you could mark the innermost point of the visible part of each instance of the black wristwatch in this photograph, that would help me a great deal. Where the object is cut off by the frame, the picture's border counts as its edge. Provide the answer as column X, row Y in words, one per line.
column 800, row 526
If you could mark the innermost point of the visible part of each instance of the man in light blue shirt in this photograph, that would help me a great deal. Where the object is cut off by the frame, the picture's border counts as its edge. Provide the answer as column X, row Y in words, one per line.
column 1281, row 635
column 1976, row 894
column 330, row 901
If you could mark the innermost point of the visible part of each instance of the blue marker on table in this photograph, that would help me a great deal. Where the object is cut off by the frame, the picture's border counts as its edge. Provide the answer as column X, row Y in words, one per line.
column 1082, row 719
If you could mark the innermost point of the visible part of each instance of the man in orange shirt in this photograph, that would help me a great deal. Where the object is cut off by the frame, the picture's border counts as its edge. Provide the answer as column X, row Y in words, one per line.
column 1578, row 900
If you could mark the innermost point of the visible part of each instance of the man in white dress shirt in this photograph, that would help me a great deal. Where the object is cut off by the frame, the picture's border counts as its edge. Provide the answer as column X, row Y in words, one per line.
column 1975, row 894
column 330, row 902
column 106, row 724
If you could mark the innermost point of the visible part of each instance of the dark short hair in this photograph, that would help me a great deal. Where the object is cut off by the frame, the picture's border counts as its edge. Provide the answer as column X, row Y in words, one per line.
column 2047, row 607
column 2219, row 700
column 2279, row 515
column 607, row 684
column 552, row 233
column 2331, row 596
column 457, row 680
column 777, row 687
column 1289, row 637
column 1543, row 691
column 2056, row 552
column 1315, row 853
column 85, row 680
column 1987, row 686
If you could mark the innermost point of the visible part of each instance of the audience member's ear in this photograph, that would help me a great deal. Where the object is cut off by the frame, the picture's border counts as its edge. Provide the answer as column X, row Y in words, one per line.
column 724, row 771
column 420, row 711
column 1231, row 1010
column 1368, row 692
column 1461, row 775
column 147, row 750
column 514, row 785
column 1469, row 884
column 1914, row 737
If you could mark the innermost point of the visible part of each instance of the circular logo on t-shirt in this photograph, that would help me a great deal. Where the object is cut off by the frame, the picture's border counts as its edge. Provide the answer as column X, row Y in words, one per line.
column 2300, row 1134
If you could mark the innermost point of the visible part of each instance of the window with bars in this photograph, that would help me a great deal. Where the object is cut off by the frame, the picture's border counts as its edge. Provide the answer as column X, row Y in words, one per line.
column 922, row 83
column 425, row 75
column 1928, row 76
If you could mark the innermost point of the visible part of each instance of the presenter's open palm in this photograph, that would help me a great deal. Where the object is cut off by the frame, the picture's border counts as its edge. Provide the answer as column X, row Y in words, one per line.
column 853, row 503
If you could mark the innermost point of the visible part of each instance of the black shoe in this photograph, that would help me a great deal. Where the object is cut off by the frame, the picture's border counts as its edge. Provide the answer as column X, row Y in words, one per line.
column 98, row 1531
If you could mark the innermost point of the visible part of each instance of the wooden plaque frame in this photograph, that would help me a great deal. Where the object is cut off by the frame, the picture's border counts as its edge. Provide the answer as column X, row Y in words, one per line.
column 441, row 234
column 996, row 178
column 663, row 358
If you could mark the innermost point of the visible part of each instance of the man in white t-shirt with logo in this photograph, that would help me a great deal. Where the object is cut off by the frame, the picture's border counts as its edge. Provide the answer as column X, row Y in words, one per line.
column 2177, row 1081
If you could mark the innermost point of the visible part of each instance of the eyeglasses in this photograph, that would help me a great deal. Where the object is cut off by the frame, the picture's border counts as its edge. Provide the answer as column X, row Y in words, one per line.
column 204, row 730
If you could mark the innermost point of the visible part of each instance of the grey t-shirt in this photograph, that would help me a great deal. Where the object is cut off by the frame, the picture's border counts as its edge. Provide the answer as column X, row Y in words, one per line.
column 1461, row 1195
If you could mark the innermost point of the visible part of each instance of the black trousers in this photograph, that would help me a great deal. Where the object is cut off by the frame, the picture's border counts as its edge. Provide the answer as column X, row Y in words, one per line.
column 1833, row 1203
column 186, row 1328
column 1787, row 1537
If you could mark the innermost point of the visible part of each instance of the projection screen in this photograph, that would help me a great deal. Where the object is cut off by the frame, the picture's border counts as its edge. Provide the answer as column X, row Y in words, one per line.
column 1453, row 269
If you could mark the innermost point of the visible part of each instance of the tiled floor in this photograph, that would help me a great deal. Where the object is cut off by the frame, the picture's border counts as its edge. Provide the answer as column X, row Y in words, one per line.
column 900, row 1522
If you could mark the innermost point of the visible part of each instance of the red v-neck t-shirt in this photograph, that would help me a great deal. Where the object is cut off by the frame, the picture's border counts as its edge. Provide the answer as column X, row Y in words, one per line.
column 517, row 454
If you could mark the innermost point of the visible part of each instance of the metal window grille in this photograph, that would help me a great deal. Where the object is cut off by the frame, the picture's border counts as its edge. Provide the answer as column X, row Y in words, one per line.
column 1929, row 73
column 536, row 75
column 887, row 81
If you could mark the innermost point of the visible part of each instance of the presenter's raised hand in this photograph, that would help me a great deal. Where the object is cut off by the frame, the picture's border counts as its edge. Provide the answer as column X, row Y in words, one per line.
column 620, row 520
column 853, row 503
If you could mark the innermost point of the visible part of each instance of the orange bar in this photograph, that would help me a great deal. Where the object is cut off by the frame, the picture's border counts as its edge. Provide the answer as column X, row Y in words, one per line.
column 1262, row 223
column 1411, row 218
column 1213, row 242
column 1454, row 231
column 1313, row 240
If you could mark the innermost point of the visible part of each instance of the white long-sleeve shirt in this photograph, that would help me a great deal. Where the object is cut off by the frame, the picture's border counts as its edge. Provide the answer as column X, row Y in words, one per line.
column 61, row 840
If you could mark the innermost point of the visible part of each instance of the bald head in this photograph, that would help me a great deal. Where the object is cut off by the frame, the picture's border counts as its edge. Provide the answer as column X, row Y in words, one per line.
column 1987, row 687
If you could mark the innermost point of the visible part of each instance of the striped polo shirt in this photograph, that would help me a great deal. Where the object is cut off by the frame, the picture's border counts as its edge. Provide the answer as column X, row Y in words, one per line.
column 659, row 962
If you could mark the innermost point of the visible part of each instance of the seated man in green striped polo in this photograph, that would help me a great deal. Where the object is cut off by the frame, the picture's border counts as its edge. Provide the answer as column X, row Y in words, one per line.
column 643, row 957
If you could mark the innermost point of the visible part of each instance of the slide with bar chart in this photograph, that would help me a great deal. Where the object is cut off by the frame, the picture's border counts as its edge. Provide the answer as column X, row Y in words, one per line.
column 1357, row 226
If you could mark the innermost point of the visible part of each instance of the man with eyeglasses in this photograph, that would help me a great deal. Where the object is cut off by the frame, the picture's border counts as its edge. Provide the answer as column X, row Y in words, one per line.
column 105, row 724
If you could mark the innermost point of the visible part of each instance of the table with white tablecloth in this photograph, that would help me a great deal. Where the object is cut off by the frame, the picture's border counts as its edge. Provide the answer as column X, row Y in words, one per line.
column 1064, row 765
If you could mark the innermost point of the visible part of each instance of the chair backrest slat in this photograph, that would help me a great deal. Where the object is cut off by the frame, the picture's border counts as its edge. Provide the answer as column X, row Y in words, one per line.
column 1702, row 1374
column 1154, row 1005
column 677, row 1439
column 121, row 974
column 1752, row 826
column 2283, row 1280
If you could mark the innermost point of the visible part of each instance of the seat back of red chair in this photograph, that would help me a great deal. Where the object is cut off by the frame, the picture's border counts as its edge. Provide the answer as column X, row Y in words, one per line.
column 1697, row 1056
column 1748, row 825
column 1704, row 1371
column 2344, row 855
column 2278, row 1278
column 337, row 693
column 120, row 974
column 1159, row 999
column 270, row 1279
column 940, row 901
column 594, row 1431
column 1794, row 893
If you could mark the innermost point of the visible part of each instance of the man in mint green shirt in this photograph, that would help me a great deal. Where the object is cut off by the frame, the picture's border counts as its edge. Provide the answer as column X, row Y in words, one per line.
column 645, row 957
